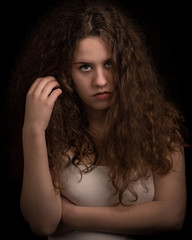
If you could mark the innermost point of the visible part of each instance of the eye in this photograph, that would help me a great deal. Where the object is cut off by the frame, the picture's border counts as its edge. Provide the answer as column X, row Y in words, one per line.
column 85, row 68
column 108, row 64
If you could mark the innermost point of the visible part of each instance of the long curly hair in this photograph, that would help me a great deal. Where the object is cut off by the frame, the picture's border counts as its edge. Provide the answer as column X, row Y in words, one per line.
column 141, row 126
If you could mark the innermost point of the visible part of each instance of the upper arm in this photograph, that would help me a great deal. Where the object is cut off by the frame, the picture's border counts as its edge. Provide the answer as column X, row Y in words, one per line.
column 171, row 187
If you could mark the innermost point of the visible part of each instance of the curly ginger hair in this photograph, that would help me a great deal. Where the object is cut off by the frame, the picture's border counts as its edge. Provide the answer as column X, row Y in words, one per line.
column 141, row 125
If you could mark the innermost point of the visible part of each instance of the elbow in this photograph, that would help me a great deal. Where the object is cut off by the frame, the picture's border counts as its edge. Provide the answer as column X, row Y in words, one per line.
column 43, row 230
column 41, row 226
column 176, row 222
column 42, row 223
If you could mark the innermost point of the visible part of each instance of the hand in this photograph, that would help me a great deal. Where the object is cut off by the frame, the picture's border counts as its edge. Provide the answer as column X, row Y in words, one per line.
column 68, row 217
column 40, row 101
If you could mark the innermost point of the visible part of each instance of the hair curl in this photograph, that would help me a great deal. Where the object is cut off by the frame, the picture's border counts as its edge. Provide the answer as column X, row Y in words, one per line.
column 141, row 125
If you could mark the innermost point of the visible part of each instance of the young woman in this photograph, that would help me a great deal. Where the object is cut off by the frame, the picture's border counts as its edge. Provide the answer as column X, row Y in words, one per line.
column 103, row 149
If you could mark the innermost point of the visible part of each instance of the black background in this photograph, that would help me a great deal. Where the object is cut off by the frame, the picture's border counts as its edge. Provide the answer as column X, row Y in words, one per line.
column 168, row 27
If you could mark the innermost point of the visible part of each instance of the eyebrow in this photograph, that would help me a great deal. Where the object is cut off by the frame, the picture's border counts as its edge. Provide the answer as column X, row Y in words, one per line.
column 89, row 63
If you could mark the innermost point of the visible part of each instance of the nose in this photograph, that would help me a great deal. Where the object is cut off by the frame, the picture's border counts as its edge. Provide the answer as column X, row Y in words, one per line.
column 100, row 78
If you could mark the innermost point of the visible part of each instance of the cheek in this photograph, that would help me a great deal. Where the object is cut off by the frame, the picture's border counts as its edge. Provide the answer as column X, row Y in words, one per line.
column 80, row 81
column 80, row 86
column 81, row 92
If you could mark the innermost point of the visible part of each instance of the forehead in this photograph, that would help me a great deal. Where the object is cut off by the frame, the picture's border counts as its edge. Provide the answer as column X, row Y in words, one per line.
column 92, row 47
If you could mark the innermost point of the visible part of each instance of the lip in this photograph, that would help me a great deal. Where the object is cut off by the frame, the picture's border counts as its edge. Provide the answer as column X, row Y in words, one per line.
column 102, row 95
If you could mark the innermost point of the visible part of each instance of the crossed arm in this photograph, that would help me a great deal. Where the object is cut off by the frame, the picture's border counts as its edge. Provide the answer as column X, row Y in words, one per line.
column 50, row 214
column 165, row 213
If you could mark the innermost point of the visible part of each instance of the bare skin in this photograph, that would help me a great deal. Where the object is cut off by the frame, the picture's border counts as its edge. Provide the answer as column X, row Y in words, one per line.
column 42, row 206
column 38, row 193
column 165, row 213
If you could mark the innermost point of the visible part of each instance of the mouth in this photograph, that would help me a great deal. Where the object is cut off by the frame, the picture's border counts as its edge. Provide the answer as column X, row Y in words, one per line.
column 102, row 95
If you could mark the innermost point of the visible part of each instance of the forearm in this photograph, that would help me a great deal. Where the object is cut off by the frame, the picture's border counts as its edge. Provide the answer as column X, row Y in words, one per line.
column 40, row 204
column 146, row 218
column 166, row 212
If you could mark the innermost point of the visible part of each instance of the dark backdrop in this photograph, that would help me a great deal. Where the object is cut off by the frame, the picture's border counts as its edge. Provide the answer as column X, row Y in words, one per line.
column 168, row 32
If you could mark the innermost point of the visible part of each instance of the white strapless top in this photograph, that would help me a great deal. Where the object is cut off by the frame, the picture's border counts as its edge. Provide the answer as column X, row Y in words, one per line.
column 95, row 189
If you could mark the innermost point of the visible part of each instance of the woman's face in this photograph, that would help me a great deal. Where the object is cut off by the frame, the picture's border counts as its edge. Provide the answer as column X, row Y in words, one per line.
column 92, row 73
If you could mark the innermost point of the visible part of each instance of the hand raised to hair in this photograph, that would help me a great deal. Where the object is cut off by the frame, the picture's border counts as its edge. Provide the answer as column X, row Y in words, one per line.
column 40, row 101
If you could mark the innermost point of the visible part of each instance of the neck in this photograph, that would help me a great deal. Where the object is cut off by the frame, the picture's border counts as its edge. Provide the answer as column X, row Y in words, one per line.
column 97, row 121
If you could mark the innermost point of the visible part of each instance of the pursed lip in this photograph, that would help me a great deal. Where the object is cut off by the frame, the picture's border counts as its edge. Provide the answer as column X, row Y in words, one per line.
column 101, row 93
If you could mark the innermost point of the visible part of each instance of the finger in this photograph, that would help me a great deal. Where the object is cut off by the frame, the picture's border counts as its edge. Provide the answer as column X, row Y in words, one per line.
column 54, row 95
column 49, row 88
column 41, row 84
column 34, row 85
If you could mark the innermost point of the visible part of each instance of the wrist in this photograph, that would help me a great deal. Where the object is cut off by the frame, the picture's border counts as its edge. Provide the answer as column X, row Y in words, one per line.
column 80, row 216
column 71, row 216
column 77, row 219
column 29, row 130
